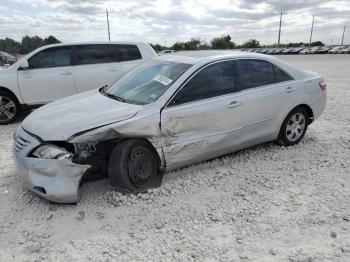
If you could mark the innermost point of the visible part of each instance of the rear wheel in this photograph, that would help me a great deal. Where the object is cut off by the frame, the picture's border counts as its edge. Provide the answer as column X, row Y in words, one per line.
column 134, row 166
column 294, row 127
column 9, row 108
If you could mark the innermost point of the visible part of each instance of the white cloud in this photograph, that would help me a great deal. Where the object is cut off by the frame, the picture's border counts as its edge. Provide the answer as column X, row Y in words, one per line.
column 175, row 20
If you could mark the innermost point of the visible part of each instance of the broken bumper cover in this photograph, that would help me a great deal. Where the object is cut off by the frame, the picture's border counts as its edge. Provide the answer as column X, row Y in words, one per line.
column 52, row 179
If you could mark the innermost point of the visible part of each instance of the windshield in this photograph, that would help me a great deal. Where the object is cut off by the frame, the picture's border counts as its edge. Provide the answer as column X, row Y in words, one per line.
column 147, row 82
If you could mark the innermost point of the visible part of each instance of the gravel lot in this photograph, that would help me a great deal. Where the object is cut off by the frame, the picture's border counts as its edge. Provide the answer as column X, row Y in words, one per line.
column 267, row 203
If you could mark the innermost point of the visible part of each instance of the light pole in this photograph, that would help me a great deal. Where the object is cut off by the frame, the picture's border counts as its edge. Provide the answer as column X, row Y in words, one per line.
column 312, row 28
column 109, row 34
column 279, row 31
column 342, row 39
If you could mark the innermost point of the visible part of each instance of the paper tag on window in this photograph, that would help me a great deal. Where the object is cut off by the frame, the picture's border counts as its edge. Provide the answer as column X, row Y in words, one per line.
column 163, row 80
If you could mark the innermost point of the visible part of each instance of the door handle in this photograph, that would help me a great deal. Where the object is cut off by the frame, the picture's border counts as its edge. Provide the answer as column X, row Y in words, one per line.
column 289, row 89
column 66, row 73
column 112, row 69
column 233, row 104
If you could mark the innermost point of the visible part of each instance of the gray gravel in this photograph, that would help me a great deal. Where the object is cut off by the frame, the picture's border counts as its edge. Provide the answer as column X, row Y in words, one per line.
column 267, row 203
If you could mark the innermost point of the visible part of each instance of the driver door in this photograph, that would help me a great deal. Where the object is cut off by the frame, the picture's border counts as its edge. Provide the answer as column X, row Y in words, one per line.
column 202, row 120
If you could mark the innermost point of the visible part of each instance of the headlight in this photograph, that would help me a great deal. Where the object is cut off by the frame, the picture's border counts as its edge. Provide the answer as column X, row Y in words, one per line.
column 50, row 151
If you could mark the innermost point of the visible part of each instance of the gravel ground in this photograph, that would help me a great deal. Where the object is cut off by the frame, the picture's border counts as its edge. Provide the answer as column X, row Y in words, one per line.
column 266, row 203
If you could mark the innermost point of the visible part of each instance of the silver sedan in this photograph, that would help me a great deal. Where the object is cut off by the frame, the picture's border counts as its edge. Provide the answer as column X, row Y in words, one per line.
column 169, row 112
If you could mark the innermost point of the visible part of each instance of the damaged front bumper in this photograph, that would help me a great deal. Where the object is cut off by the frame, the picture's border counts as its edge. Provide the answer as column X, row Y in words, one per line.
column 52, row 179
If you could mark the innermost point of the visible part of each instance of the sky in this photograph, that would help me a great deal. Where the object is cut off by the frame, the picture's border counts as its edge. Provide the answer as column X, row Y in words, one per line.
column 169, row 21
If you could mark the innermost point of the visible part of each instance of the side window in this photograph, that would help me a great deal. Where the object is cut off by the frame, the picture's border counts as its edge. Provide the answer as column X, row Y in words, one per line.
column 51, row 57
column 95, row 54
column 128, row 52
column 254, row 73
column 215, row 80
column 280, row 75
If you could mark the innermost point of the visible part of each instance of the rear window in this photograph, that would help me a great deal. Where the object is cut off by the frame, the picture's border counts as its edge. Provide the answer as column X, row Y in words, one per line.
column 128, row 52
column 280, row 75
column 95, row 54
column 254, row 73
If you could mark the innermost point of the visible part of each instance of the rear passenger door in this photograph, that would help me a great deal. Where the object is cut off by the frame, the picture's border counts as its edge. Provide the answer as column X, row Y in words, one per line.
column 266, row 92
column 129, row 56
column 95, row 66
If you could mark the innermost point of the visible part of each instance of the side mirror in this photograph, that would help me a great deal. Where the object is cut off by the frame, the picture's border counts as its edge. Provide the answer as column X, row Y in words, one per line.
column 23, row 64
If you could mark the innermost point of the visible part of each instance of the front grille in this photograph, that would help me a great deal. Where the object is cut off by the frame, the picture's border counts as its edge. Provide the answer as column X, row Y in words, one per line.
column 20, row 143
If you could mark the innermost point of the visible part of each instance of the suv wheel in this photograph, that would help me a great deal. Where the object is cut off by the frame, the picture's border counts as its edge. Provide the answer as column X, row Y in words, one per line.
column 9, row 108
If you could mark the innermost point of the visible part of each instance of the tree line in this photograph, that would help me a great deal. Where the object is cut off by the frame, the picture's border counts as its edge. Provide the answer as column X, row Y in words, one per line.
column 28, row 44
column 224, row 42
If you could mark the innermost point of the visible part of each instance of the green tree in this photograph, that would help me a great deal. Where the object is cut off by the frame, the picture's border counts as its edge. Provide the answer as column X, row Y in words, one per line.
column 193, row 44
column 178, row 46
column 31, row 43
column 317, row 43
column 51, row 40
column 9, row 45
column 252, row 43
column 223, row 42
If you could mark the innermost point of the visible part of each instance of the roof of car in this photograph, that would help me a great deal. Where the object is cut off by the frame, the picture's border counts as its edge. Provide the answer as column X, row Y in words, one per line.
column 95, row 43
column 194, row 57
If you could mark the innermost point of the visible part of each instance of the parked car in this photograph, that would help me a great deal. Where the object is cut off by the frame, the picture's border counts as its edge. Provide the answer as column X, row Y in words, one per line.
column 169, row 112
column 296, row 50
column 6, row 59
column 166, row 52
column 336, row 50
column 56, row 71
column 310, row 50
column 285, row 51
column 322, row 50
column 345, row 50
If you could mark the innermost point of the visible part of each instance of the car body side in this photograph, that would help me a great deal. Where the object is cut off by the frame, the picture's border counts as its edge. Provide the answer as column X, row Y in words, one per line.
column 164, row 138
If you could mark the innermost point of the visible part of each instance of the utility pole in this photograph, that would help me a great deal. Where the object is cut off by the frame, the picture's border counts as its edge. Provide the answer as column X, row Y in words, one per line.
column 342, row 39
column 109, row 34
column 312, row 28
column 279, row 31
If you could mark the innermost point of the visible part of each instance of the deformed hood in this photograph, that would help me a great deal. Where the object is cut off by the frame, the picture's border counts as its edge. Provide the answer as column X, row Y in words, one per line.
column 62, row 119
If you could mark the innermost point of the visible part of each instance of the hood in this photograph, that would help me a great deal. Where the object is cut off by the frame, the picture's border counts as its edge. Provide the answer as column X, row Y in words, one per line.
column 62, row 119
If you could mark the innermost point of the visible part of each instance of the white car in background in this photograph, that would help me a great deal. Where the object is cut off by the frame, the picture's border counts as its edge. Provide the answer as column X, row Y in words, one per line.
column 169, row 112
column 56, row 71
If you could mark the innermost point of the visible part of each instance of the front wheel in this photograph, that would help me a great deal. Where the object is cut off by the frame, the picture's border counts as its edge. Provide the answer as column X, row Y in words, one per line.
column 293, row 127
column 9, row 108
column 134, row 166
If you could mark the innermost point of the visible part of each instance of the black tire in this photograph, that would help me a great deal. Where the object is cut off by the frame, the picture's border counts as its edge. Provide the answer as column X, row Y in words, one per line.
column 9, row 114
column 134, row 166
column 286, row 137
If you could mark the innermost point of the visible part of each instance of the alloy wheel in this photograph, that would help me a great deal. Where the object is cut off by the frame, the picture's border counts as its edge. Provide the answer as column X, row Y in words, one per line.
column 7, row 109
column 295, row 127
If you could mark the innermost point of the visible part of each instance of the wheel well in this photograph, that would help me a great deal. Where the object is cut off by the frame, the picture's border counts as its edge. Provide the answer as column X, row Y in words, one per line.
column 10, row 92
column 98, row 160
column 308, row 110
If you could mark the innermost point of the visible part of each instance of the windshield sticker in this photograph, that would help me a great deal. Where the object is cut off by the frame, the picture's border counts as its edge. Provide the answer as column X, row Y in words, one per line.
column 163, row 79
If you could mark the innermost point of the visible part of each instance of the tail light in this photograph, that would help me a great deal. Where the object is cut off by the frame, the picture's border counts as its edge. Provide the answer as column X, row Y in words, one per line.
column 323, row 85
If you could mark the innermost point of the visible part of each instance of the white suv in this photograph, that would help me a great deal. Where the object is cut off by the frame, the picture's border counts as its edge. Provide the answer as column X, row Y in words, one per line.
column 56, row 71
